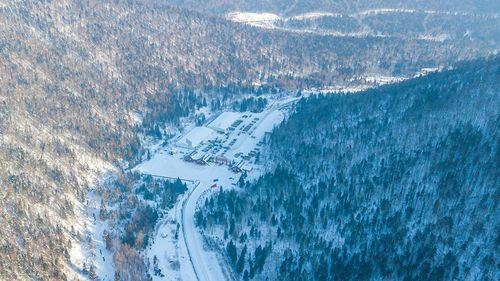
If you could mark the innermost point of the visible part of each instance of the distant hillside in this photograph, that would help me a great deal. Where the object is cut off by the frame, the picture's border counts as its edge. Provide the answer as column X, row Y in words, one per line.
column 295, row 7
column 462, row 24
column 396, row 183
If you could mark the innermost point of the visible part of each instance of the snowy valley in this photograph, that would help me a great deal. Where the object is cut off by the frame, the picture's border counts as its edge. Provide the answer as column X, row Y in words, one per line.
column 205, row 159
column 245, row 140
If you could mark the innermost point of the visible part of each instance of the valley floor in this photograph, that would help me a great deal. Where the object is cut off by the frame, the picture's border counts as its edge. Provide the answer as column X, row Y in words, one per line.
column 179, row 249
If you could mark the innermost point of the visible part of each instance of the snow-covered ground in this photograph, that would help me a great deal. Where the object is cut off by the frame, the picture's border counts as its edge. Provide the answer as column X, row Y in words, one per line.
column 224, row 120
column 196, row 137
column 90, row 250
column 265, row 20
column 315, row 15
column 178, row 245
column 359, row 84
column 100, row 257
column 382, row 80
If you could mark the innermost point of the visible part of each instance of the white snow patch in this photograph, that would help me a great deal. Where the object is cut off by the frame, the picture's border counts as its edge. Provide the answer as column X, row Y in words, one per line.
column 337, row 89
column 90, row 249
column 252, row 17
column 136, row 118
column 435, row 38
column 315, row 15
column 382, row 80
column 265, row 20
column 224, row 120
column 386, row 11
column 196, row 136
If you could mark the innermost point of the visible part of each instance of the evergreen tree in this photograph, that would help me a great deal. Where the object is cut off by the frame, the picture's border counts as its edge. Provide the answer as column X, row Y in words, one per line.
column 241, row 260
column 231, row 252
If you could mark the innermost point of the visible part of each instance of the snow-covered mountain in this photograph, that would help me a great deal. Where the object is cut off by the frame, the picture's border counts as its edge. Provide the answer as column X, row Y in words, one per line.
column 397, row 183
column 89, row 89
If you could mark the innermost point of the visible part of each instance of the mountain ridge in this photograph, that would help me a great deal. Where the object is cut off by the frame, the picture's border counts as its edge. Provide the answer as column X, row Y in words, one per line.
column 397, row 182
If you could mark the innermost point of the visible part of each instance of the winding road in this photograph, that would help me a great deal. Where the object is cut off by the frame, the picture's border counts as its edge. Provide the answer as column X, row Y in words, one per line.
column 196, row 261
column 213, row 269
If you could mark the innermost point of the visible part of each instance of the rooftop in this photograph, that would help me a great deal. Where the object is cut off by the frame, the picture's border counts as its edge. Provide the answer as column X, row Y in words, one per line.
column 224, row 121
column 196, row 136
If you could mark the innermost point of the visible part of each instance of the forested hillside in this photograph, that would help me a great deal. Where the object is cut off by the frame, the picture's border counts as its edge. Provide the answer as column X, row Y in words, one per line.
column 462, row 28
column 81, row 83
column 291, row 8
column 395, row 183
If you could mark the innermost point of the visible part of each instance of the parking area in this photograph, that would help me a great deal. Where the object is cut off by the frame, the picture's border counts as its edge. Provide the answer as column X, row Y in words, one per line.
column 232, row 139
column 228, row 144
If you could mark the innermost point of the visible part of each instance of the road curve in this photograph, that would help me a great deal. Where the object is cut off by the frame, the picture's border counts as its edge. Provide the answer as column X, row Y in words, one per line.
column 183, row 219
column 205, row 264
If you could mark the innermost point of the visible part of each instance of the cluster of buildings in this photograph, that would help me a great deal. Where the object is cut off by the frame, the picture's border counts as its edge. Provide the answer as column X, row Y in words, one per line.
column 204, row 158
column 209, row 143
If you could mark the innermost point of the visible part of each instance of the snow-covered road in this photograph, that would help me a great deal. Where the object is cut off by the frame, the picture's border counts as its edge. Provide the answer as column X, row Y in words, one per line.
column 212, row 269
column 196, row 262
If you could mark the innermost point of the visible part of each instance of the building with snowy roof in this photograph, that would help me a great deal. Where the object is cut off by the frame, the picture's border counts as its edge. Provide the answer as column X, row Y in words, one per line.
column 196, row 137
